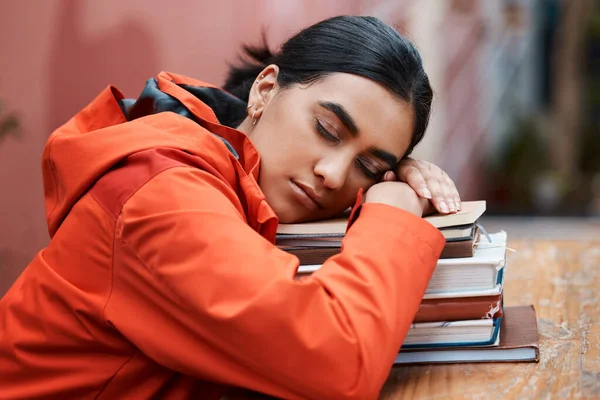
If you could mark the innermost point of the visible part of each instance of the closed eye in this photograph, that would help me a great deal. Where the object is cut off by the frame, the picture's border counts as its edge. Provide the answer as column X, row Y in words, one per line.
column 325, row 133
column 370, row 170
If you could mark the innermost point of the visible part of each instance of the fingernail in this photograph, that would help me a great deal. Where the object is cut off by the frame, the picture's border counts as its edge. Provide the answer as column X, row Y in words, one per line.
column 451, row 206
column 444, row 207
column 458, row 206
column 388, row 176
column 426, row 193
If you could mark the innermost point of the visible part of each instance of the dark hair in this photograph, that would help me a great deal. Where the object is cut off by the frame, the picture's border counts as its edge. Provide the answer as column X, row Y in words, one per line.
column 363, row 46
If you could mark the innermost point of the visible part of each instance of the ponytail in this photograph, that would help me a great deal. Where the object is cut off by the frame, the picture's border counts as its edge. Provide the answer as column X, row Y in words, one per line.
column 253, row 60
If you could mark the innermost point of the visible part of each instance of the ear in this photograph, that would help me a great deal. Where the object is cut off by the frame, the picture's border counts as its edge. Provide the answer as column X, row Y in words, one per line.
column 263, row 90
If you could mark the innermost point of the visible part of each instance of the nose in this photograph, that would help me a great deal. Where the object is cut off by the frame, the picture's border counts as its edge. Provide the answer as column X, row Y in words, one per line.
column 333, row 170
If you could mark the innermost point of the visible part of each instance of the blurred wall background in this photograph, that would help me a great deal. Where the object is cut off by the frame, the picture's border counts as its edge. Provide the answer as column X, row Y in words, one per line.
column 516, row 115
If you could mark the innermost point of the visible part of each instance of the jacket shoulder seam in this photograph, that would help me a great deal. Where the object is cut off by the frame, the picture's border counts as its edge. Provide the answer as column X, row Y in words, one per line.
column 114, row 215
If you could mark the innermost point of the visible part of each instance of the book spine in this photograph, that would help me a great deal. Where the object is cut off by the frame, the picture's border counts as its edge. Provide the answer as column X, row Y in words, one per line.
column 318, row 255
column 461, row 249
column 459, row 309
column 314, row 256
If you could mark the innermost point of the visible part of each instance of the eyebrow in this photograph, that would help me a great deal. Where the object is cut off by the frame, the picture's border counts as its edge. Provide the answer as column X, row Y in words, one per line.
column 348, row 121
column 342, row 114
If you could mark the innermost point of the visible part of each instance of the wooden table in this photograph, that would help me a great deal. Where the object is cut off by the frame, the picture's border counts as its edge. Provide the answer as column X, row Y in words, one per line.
column 561, row 278
column 557, row 269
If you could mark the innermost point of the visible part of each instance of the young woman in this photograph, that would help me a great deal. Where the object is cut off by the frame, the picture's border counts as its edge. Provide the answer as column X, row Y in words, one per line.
column 161, row 279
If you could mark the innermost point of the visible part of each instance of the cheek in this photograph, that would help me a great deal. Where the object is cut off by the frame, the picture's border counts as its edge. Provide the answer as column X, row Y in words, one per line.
column 285, row 146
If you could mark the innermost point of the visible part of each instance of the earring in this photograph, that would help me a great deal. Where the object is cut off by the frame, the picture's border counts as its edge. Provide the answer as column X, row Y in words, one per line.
column 253, row 119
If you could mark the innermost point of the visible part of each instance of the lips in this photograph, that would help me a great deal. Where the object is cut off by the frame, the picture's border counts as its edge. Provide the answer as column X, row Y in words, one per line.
column 307, row 195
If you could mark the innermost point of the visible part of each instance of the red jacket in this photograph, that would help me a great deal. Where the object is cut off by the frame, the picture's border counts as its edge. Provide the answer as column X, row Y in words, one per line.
column 161, row 279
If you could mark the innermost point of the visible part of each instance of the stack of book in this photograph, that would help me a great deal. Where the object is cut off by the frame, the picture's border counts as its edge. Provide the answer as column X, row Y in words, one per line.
column 461, row 317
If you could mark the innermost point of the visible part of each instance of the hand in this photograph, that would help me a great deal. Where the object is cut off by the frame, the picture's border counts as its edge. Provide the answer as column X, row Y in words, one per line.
column 400, row 195
column 430, row 182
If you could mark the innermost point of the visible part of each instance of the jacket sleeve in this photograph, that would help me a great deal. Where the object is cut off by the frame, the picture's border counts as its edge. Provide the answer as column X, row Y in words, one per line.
column 200, row 292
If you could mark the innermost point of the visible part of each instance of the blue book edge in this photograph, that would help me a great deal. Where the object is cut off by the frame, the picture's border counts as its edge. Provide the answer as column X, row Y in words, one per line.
column 492, row 340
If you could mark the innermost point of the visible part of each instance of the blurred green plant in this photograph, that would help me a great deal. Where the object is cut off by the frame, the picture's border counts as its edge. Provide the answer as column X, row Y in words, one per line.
column 590, row 143
column 9, row 124
column 524, row 178
column 520, row 162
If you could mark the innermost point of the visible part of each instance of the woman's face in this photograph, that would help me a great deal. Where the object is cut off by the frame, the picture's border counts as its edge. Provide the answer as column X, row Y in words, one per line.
column 320, row 143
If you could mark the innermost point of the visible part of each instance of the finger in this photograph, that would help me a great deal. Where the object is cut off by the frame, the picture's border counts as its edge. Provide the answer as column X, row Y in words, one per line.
column 446, row 189
column 389, row 176
column 457, row 200
column 438, row 196
column 449, row 196
column 452, row 193
column 411, row 175
column 437, row 180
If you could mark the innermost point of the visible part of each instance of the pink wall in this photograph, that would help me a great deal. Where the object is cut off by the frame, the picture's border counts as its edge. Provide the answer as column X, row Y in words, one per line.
column 55, row 56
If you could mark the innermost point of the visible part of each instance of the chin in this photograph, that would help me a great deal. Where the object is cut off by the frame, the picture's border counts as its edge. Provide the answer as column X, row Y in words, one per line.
column 286, row 211
column 288, row 216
